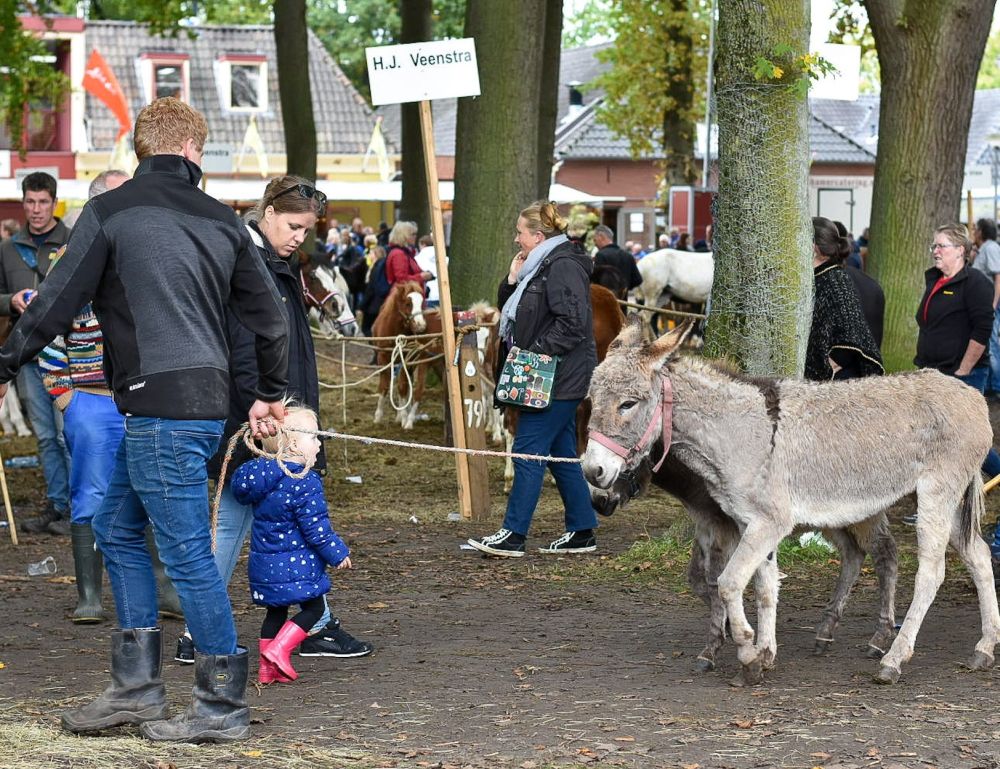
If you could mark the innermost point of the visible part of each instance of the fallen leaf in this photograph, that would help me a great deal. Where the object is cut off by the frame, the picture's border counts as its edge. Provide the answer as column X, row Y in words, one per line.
column 625, row 739
column 378, row 605
column 820, row 755
column 690, row 766
column 741, row 723
column 2, row 666
column 252, row 753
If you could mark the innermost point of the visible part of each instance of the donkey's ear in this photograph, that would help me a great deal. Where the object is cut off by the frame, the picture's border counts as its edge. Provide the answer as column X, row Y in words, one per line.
column 660, row 351
column 630, row 335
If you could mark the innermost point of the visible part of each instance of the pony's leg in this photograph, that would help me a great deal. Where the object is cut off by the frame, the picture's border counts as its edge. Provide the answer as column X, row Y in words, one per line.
column 383, row 386
column 508, row 465
column 882, row 547
column 760, row 538
column 419, row 381
column 851, row 559
column 937, row 507
column 16, row 413
column 975, row 554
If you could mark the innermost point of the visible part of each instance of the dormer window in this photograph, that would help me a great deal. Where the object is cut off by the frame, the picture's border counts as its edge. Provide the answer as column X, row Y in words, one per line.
column 242, row 82
column 165, row 74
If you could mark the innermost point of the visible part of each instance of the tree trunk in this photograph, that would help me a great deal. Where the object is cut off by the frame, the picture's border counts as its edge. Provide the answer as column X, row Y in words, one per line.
column 678, row 130
column 762, row 296
column 415, row 206
column 292, row 43
column 496, row 166
column 929, row 53
column 548, row 107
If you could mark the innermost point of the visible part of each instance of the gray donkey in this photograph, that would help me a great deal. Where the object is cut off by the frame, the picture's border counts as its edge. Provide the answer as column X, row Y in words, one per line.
column 717, row 535
column 764, row 454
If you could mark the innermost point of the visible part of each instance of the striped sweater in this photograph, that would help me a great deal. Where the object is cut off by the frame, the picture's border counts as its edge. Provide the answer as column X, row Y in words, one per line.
column 76, row 360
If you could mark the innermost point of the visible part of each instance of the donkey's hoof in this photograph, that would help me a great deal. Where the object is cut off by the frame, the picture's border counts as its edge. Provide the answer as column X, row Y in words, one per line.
column 980, row 661
column 704, row 664
column 753, row 673
column 874, row 653
column 767, row 658
column 822, row 646
column 887, row 675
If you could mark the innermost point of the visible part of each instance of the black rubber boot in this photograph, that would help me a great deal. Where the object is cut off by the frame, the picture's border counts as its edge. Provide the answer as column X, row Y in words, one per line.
column 218, row 711
column 89, row 571
column 136, row 693
column 167, row 601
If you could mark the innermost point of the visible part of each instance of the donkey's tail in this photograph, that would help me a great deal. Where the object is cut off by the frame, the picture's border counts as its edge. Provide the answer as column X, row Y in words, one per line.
column 973, row 507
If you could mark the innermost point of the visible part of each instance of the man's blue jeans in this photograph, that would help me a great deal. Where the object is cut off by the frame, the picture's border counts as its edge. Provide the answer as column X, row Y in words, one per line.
column 551, row 432
column 994, row 379
column 46, row 421
column 160, row 477
column 234, row 522
column 94, row 429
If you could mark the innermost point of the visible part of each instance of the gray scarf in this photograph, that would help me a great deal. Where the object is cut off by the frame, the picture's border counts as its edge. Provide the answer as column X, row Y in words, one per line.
column 531, row 266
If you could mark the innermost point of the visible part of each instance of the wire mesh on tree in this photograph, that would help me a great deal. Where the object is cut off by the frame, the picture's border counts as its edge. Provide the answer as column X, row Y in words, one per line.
column 762, row 295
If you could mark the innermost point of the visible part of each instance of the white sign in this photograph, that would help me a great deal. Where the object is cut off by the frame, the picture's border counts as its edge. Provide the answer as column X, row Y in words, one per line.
column 977, row 177
column 4, row 164
column 843, row 83
column 440, row 69
column 217, row 158
column 20, row 173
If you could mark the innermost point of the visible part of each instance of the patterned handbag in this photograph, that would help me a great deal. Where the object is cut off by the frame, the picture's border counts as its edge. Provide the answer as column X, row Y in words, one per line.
column 526, row 379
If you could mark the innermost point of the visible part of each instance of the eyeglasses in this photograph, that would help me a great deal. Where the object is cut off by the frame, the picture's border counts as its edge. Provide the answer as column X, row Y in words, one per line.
column 309, row 193
column 938, row 246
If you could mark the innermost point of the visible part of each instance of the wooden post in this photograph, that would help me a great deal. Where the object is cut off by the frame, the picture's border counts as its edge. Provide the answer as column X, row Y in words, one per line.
column 968, row 203
column 6, row 503
column 474, row 415
column 447, row 319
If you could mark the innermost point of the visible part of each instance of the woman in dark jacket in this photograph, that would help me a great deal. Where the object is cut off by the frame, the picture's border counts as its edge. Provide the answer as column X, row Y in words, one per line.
column 278, row 225
column 546, row 309
column 841, row 345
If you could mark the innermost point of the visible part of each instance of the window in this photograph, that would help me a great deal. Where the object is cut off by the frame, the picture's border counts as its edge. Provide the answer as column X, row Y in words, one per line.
column 164, row 74
column 242, row 82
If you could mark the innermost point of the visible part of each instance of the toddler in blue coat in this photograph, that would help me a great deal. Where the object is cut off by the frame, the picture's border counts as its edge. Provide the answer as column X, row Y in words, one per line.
column 291, row 543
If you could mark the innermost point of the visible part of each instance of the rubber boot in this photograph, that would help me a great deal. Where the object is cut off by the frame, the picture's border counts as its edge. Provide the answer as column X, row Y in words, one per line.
column 136, row 693
column 167, row 601
column 40, row 522
column 279, row 651
column 89, row 573
column 267, row 672
column 218, row 711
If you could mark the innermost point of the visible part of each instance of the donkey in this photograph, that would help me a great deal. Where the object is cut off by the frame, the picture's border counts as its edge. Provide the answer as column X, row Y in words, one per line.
column 716, row 537
column 763, row 451
column 402, row 313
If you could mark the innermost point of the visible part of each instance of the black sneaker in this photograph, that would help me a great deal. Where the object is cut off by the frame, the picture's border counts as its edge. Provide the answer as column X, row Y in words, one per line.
column 40, row 522
column 504, row 543
column 185, row 650
column 334, row 641
column 573, row 542
column 910, row 520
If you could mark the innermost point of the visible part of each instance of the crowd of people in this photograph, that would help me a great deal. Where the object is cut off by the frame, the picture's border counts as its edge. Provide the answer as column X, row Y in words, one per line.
column 141, row 344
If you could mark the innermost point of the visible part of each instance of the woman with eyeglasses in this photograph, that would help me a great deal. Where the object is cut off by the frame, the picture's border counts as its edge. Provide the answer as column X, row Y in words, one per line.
column 841, row 345
column 955, row 318
column 278, row 225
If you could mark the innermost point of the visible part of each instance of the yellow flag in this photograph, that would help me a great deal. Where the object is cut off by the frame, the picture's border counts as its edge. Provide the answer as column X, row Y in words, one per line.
column 253, row 142
column 122, row 156
column 377, row 148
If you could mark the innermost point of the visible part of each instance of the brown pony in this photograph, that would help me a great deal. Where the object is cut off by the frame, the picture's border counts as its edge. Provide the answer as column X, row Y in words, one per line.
column 608, row 322
column 402, row 314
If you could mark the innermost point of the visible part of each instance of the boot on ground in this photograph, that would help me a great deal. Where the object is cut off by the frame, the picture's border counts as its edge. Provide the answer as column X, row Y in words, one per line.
column 89, row 573
column 218, row 711
column 267, row 671
column 136, row 693
column 41, row 522
column 279, row 651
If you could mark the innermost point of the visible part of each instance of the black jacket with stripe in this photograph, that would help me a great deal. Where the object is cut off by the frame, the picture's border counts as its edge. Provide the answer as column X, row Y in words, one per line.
column 161, row 261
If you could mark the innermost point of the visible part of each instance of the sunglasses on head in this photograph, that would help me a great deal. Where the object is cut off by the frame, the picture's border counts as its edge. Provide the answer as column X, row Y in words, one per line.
column 309, row 193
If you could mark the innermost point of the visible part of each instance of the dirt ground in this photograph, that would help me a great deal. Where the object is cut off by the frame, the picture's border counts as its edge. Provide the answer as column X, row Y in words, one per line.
column 541, row 662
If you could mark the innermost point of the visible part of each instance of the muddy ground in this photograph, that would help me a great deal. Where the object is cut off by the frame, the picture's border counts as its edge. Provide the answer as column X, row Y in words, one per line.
column 540, row 662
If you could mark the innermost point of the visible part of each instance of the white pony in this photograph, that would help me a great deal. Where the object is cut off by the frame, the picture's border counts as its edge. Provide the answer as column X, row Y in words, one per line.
column 683, row 275
column 11, row 415
column 325, row 292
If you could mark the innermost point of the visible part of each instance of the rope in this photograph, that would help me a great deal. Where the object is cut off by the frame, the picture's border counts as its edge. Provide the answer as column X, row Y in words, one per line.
column 399, row 353
column 662, row 310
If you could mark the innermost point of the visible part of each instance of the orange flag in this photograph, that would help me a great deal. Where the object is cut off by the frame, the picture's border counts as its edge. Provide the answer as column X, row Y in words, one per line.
column 102, row 83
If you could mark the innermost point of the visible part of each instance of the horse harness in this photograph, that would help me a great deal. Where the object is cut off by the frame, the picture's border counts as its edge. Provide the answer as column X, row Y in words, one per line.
column 320, row 304
column 660, row 421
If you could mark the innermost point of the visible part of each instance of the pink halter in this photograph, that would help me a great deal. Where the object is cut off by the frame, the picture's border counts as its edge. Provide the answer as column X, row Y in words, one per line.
column 663, row 413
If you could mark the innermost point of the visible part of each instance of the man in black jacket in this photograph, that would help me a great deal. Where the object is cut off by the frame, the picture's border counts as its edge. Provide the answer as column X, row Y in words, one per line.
column 161, row 261
column 612, row 255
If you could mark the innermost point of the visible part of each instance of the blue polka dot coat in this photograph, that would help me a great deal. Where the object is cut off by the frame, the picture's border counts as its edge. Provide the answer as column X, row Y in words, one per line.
column 292, row 539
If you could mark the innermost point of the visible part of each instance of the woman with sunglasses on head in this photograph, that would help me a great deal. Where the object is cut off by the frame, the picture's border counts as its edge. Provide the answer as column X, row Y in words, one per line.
column 278, row 225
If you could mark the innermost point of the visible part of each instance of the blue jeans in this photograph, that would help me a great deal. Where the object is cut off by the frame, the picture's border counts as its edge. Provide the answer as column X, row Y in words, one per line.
column 977, row 379
column 551, row 432
column 94, row 428
column 994, row 378
column 160, row 478
column 46, row 421
column 231, row 532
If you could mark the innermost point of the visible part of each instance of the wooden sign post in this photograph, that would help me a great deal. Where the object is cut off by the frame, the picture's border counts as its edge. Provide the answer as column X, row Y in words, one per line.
column 421, row 72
